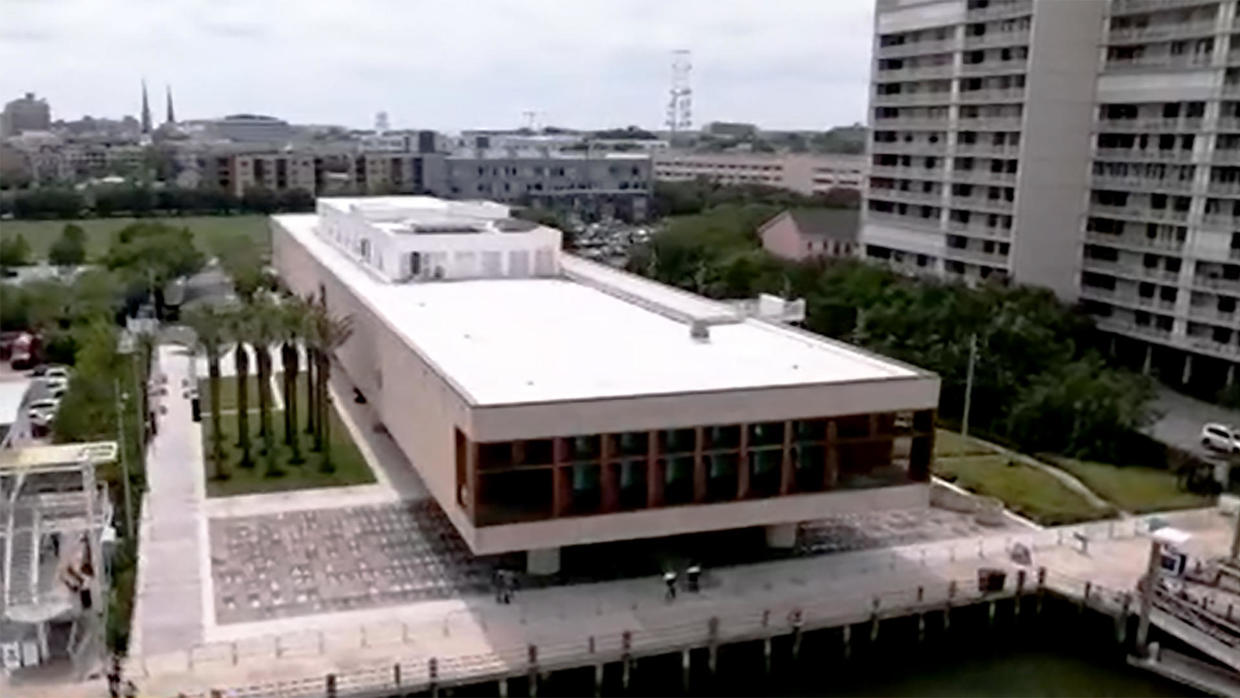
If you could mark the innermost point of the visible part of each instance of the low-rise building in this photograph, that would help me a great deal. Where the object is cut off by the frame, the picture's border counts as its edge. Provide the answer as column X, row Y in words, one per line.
column 547, row 401
column 799, row 172
column 798, row 234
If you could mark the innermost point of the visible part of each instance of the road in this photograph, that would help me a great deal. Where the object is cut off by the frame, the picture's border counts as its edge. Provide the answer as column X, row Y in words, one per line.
column 1181, row 420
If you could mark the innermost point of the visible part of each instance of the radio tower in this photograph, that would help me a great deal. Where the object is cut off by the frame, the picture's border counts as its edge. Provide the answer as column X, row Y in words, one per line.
column 680, row 96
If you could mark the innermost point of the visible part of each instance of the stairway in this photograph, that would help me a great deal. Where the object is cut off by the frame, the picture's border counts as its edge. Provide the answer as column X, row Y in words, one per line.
column 20, row 560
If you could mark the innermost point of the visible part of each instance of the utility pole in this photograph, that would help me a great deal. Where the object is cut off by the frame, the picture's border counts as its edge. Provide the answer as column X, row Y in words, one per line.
column 968, row 385
column 120, row 444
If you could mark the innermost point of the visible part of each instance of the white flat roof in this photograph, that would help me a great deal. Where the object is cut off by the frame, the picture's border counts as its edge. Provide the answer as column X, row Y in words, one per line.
column 508, row 341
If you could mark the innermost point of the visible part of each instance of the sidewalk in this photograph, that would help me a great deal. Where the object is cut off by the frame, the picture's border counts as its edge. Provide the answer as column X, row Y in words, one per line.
column 168, row 610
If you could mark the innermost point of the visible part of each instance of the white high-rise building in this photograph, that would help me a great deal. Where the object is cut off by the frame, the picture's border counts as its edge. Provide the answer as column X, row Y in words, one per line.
column 1088, row 146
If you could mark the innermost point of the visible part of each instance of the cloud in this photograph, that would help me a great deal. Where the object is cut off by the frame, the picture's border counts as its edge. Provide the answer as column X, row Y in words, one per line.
column 445, row 63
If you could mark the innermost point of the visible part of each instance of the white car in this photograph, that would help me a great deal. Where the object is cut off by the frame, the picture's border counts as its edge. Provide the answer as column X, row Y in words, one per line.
column 61, row 372
column 56, row 383
column 42, row 411
column 1220, row 437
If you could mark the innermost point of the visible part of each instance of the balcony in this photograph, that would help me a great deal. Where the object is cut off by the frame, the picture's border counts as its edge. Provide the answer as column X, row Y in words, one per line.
column 1165, row 61
column 1226, row 157
column 917, row 73
column 999, row 10
column 993, row 95
column 915, row 148
column 1160, row 32
column 939, row 124
column 1122, row 7
column 994, row 68
column 1131, row 328
column 904, row 220
column 1231, row 189
column 1179, row 155
column 903, row 98
column 1220, row 221
column 988, row 149
column 1140, row 213
column 1127, row 298
column 901, row 172
column 918, row 48
column 993, row 259
column 1156, row 124
column 1211, row 313
column 1231, row 89
column 1135, row 271
column 1136, row 242
column 906, row 196
column 983, row 177
column 1012, row 38
column 1228, row 123
column 981, row 203
column 1132, row 183
column 1217, row 283
column 990, row 123
column 1208, row 345
column 979, row 230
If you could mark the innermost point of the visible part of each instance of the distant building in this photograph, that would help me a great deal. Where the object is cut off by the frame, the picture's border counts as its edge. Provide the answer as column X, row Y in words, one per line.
column 807, row 174
column 25, row 114
column 250, row 128
column 730, row 129
column 799, row 234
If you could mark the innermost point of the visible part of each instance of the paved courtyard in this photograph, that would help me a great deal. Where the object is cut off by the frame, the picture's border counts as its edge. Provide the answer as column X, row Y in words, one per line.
column 296, row 563
column 326, row 560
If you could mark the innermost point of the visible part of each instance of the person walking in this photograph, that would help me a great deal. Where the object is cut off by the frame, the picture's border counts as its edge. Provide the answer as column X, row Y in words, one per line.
column 693, row 576
column 669, row 578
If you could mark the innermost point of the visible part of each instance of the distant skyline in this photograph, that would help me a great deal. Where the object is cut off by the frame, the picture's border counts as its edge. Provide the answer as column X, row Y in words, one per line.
column 797, row 64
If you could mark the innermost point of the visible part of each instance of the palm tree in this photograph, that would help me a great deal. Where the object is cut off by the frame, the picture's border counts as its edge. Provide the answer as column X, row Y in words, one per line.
column 240, row 330
column 293, row 330
column 312, row 403
column 211, row 327
column 327, row 334
column 265, row 322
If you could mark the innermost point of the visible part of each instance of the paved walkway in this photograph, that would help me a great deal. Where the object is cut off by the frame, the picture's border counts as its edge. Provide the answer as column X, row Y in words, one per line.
column 169, row 609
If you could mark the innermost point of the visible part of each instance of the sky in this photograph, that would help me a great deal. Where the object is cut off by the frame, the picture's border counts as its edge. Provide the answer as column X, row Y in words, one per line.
column 446, row 65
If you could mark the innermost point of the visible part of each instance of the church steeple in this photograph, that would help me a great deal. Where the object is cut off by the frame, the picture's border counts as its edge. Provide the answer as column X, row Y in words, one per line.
column 146, row 110
column 171, row 117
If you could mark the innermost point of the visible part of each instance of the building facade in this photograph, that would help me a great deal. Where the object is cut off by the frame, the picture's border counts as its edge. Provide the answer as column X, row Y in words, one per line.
column 800, row 234
column 806, row 174
column 559, row 403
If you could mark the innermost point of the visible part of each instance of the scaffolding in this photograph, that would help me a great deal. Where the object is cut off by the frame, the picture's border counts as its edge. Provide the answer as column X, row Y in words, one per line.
column 56, row 518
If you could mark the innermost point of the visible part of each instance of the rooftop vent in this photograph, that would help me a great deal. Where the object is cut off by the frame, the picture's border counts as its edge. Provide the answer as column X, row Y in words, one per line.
column 699, row 331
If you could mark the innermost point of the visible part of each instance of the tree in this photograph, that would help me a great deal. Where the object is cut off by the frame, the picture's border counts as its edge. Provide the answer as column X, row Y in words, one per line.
column 327, row 334
column 239, row 330
column 295, row 201
column 240, row 258
column 70, row 248
column 258, row 200
column 293, row 326
column 211, row 329
column 150, row 254
column 264, row 330
column 14, row 251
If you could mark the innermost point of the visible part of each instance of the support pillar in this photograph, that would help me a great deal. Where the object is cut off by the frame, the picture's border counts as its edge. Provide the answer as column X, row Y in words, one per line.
column 626, row 660
column 1231, row 375
column 782, row 536
column 543, row 561
column 533, row 671
column 712, row 662
column 1147, row 595
column 847, row 641
column 598, row 679
column 990, row 613
column 1188, row 369
column 766, row 654
column 1149, row 359
column 686, row 667
column 503, row 688
column 921, row 628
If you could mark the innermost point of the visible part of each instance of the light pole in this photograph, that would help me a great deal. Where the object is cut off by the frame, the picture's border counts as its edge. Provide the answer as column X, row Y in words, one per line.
column 968, row 385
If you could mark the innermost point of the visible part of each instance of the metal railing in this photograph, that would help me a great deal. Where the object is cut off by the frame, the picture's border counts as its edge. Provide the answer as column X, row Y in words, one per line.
column 1195, row 60
column 997, row 39
column 993, row 95
column 918, row 48
column 1150, row 123
column 1131, row 182
column 1144, row 213
column 1161, row 31
column 1150, row 154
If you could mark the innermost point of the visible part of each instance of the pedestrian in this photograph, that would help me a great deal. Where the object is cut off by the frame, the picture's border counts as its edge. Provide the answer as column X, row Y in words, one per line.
column 497, row 581
column 694, row 575
column 669, row 578
column 114, row 679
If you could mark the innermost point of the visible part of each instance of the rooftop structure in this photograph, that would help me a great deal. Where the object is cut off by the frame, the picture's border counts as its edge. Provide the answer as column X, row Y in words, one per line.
column 562, row 402
column 25, row 114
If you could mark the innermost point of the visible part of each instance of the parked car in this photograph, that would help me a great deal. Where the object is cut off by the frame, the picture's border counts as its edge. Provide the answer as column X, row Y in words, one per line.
column 42, row 411
column 1220, row 437
column 56, row 372
column 54, row 383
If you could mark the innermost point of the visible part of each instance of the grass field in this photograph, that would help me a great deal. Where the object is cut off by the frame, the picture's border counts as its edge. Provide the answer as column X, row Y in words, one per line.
column 350, row 466
column 1132, row 488
column 1024, row 489
column 949, row 443
column 99, row 231
column 228, row 391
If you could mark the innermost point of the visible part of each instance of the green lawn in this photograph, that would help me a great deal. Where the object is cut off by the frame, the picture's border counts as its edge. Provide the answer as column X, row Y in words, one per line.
column 950, row 443
column 1133, row 488
column 351, row 467
column 99, row 231
column 228, row 391
column 1024, row 489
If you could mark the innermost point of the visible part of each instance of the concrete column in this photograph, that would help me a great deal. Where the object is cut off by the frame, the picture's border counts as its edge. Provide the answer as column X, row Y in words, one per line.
column 782, row 536
column 543, row 561
column 1188, row 369
column 598, row 679
column 1231, row 375
column 1149, row 358
column 686, row 666
column 847, row 641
